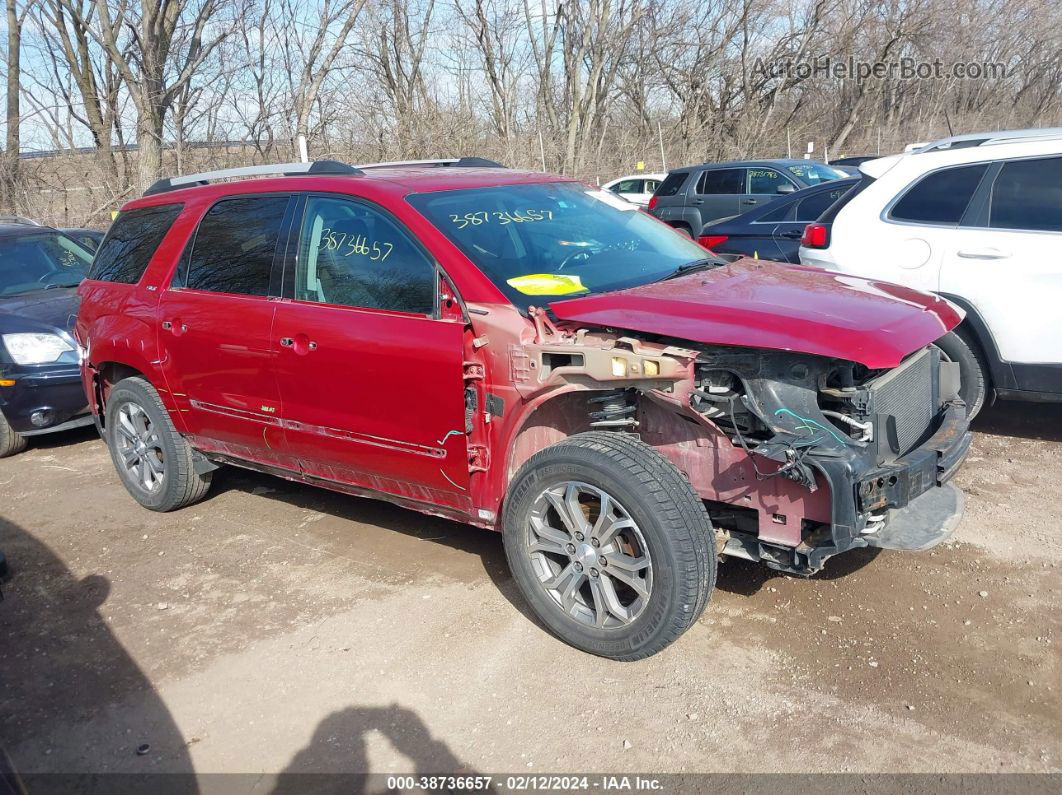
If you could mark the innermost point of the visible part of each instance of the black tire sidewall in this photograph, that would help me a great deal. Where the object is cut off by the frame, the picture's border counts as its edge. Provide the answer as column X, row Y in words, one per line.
column 973, row 386
column 644, row 635
column 133, row 392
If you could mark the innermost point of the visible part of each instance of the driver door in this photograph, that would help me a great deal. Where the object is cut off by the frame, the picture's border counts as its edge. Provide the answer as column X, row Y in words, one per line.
column 371, row 379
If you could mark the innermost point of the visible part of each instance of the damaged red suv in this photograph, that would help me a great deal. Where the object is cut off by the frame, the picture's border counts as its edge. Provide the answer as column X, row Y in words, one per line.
column 527, row 354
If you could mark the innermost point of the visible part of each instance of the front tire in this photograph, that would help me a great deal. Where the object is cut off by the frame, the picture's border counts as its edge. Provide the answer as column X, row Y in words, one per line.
column 11, row 442
column 973, row 380
column 154, row 462
column 609, row 544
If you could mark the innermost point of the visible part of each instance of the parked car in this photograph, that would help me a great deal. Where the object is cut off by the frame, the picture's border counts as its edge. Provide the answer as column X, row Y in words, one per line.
column 527, row 354
column 88, row 238
column 856, row 160
column 773, row 230
column 693, row 196
column 40, row 382
column 977, row 219
column 636, row 188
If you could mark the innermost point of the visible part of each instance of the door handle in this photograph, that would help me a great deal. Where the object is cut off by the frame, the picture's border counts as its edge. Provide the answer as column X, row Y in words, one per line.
column 983, row 253
column 299, row 344
column 792, row 234
column 697, row 201
column 750, row 201
column 176, row 326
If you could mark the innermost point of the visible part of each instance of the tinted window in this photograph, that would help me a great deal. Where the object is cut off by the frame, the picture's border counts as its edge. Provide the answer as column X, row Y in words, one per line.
column 133, row 237
column 940, row 197
column 354, row 255
column 813, row 206
column 722, row 180
column 784, row 212
column 765, row 180
column 1028, row 195
column 671, row 184
column 234, row 246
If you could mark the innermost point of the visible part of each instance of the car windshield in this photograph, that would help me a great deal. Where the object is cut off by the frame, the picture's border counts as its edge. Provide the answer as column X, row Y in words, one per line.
column 816, row 173
column 40, row 261
column 546, row 241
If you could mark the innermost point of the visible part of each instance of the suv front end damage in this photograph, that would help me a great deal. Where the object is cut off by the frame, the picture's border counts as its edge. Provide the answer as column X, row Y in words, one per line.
column 879, row 442
column 798, row 457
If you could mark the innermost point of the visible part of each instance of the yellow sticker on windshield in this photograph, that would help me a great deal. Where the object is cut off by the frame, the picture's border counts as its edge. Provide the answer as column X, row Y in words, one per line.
column 547, row 284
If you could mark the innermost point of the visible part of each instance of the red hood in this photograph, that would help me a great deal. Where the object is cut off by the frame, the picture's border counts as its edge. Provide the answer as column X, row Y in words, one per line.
column 755, row 304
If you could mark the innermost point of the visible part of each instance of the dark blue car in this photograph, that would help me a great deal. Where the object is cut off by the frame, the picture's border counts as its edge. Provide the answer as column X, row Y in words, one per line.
column 773, row 230
column 40, row 381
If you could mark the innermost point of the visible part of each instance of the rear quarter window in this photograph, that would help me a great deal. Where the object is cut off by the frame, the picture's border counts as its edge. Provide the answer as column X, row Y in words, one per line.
column 940, row 197
column 671, row 184
column 131, row 242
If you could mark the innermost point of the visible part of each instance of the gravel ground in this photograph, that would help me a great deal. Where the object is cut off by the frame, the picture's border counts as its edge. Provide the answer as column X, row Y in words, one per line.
column 276, row 627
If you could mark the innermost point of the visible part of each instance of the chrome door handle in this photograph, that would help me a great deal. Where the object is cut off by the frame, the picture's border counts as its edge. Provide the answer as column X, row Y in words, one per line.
column 287, row 342
column 983, row 253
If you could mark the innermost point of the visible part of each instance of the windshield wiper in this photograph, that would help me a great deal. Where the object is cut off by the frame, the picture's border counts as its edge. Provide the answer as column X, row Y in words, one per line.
column 702, row 264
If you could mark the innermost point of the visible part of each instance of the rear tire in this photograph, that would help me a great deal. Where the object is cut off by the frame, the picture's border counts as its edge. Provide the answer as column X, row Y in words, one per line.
column 973, row 378
column 630, row 566
column 10, row 441
column 153, row 461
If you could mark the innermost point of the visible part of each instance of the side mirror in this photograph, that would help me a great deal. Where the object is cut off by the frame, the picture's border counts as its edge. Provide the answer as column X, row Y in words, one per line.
column 786, row 187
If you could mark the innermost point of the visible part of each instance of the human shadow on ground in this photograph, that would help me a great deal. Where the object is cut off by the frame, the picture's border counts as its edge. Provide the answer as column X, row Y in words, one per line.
column 61, row 665
column 336, row 759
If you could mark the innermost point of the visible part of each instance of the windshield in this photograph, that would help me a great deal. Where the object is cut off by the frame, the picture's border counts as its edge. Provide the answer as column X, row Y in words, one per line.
column 39, row 261
column 541, row 242
column 816, row 173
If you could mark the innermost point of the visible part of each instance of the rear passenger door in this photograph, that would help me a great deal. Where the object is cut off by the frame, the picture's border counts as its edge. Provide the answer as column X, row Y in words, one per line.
column 215, row 324
column 717, row 193
column 1005, row 260
column 372, row 381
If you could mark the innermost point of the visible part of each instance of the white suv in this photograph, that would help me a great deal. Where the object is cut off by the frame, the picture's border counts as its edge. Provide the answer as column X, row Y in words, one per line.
column 978, row 219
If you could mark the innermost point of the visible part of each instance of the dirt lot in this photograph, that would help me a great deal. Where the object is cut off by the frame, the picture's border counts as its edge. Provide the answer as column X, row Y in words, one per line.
column 276, row 627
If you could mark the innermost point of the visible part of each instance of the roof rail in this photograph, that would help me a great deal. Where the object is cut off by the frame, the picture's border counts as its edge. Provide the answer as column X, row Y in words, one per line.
column 317, row 167
column 990, row 139
column 452, row 162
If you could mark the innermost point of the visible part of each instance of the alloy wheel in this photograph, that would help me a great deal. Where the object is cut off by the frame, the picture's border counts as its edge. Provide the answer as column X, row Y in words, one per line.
column 589, row 555
column 140, row 448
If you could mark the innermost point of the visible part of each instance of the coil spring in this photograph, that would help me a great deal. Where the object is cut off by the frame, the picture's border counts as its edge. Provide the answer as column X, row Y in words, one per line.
column 616, row 409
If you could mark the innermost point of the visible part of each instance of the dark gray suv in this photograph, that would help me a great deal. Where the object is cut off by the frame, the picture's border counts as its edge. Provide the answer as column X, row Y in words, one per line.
column 693, row 196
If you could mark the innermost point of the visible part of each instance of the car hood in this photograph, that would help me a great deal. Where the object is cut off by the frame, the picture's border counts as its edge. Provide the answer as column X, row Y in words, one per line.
column 757, row 304
column 44, row 310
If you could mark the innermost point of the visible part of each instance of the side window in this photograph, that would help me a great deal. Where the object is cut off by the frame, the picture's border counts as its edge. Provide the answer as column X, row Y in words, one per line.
column 782, row 213
column 765, row 180
column 1028, row 195
column 651, row 185
column 129, row 245
column 940, row 197
column 354, row 255
column 812, row 207
column 722, row 180
column 234, row 246
column 628, row 186
column 671, row 184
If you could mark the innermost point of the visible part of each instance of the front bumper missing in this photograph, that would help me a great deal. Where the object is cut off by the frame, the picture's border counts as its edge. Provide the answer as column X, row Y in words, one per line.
column 906, row 504
column 926, row 521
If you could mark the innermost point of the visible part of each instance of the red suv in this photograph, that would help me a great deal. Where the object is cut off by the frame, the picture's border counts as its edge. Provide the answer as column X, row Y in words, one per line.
column 528, row 354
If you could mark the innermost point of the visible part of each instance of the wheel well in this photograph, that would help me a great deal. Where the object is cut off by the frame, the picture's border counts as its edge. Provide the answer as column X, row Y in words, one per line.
column 109, row 374
column 975, row 331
